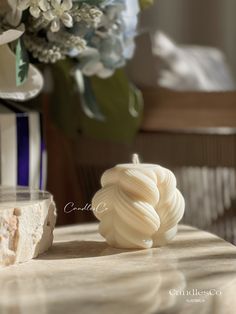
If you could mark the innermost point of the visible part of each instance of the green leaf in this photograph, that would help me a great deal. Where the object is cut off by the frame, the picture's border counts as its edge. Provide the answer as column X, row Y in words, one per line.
column 145, row 3
column 87, row 99
column 22, row 63
column 122, row 105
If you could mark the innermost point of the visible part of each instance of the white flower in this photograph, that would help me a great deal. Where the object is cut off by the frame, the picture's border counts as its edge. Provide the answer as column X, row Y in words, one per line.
column 59, row 13
column 35, row 6
column 8, row 88
column 88, row 14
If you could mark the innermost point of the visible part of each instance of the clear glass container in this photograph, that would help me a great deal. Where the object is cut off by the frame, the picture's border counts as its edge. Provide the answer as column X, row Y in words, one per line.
column 20, row 195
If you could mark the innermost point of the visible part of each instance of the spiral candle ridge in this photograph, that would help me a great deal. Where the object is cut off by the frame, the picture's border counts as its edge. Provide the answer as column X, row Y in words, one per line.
column 143, row 206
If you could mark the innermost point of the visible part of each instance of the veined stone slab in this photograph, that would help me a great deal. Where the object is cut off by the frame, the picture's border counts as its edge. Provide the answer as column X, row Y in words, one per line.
column 27, row 221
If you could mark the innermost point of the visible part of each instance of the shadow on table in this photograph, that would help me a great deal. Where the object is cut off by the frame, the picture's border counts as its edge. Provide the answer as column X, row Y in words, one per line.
column 80, row 249
column 87, row 249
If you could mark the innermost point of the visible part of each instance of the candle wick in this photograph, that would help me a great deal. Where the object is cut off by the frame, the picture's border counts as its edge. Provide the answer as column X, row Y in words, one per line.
column 135, row 159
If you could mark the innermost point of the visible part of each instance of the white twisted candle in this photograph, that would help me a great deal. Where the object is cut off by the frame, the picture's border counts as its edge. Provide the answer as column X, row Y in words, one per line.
column 143, row 205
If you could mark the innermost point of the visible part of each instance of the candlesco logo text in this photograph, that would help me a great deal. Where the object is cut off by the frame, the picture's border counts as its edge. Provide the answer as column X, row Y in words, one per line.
column 71, row 207
column 196, row 295
column 195, row 292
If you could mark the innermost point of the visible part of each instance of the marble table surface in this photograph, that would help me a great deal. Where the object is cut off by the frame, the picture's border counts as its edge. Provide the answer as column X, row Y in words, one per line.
column 196, row 273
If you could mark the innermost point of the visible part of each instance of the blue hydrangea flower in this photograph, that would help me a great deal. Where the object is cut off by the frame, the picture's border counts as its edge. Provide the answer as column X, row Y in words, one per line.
column 113, row 42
